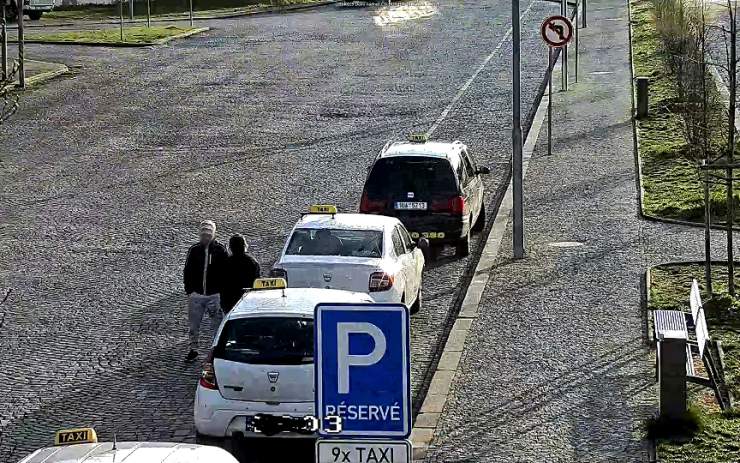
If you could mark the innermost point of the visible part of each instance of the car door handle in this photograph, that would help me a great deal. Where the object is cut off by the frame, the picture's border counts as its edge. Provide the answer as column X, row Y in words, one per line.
column 235, row 388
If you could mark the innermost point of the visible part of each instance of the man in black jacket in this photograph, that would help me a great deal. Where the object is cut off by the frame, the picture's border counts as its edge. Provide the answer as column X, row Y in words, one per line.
column 240, row 272
column 203, row 277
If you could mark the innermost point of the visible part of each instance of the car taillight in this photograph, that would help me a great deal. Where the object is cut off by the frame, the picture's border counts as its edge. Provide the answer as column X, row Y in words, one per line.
column 380, row 281
column 208, row 374
column 368, row 206
column 454, row 205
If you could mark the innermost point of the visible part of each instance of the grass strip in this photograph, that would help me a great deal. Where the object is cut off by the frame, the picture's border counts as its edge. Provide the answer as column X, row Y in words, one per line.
column 131, row 35
column 718, row 437
column 670, row 177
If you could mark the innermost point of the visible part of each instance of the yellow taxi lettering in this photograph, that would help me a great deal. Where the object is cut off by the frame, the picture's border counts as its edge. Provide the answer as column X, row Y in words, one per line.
column 270, row 283
column 323, row 209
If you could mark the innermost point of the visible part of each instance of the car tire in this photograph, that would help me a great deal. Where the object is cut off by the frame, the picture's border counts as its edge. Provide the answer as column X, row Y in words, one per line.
column 480, row 222
column 35, row 15
column 417, row 303
column 225, row 443
column 462, row 248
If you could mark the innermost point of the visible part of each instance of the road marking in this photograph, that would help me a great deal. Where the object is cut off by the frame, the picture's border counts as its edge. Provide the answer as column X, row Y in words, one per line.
column 434, row 403
column 472, row 78
column 398, row 14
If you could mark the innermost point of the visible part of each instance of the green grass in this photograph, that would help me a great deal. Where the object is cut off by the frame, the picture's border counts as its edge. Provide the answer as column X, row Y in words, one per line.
column 672, row 182
column 131, row 35
column 164, row 9
column 717, row 439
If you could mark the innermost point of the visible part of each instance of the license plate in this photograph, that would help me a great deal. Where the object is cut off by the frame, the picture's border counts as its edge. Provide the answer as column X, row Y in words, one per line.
column 363, row 451
column 411, row 206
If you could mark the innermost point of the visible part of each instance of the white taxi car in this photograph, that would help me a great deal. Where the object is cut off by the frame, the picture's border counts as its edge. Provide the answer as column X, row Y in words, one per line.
column 81, row 445
column 355, row 252
column 260, row 368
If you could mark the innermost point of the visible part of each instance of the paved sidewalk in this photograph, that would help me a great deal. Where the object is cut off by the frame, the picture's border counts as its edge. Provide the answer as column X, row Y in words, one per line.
column 556, row 366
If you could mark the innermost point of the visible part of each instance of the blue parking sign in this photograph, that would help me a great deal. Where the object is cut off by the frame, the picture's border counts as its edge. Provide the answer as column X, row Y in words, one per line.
column 363, row 369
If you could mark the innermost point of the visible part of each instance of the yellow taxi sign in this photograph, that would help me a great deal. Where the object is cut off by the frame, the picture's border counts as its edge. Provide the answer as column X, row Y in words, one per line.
column 418, row 138
column 323, row 209
column 75, row 436
column 270, row 283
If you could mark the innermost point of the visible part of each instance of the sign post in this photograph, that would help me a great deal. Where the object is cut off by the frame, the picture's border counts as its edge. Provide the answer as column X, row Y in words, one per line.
column 362, row 375
column 556, row 31
column 517, row 167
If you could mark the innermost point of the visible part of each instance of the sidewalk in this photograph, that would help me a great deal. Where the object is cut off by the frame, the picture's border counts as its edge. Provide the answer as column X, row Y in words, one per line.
column 556, row 366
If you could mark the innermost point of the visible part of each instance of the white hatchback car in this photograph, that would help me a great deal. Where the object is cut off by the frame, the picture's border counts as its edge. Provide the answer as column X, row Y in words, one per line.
column 261, row 365
column 355, row 252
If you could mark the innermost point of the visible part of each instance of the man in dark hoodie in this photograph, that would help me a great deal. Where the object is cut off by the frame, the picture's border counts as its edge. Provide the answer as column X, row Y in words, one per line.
column 203, row 277
column 240, row 272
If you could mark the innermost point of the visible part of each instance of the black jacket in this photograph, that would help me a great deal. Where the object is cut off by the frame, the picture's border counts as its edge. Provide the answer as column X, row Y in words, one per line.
column 194, row 264
column 240, row 272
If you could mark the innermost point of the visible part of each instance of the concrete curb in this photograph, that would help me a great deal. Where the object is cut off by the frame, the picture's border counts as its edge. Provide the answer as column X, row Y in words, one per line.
column 119, row 45
column 425, row 426
column 48, row 75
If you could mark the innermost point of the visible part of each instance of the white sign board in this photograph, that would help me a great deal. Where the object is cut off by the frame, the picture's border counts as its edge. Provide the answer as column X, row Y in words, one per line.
column 363, row 451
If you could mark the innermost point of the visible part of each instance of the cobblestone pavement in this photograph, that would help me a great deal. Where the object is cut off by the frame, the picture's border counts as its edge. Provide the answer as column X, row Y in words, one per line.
column 556, row 366
column 105, row 175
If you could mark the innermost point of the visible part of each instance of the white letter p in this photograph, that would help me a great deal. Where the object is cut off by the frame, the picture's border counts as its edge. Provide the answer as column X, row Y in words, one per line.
column 346, row 360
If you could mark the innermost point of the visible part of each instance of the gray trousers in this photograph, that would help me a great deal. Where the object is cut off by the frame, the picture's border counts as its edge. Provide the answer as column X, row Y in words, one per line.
column 198, row 305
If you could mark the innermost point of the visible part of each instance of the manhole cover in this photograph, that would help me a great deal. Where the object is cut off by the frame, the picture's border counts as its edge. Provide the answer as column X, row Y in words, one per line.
column 565, row 244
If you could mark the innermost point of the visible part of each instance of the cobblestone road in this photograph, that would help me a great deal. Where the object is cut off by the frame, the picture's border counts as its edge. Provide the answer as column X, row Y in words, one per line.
column 104, row 176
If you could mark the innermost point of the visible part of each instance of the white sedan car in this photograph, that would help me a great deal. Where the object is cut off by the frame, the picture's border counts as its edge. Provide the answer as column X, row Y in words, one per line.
column 259, row 374
column 355, row 252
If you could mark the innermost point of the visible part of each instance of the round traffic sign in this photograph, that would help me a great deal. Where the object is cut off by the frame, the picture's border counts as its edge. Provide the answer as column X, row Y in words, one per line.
column 556, row 31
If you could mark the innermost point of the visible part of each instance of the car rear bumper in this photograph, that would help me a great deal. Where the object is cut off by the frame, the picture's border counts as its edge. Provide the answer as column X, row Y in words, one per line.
column 219, row 417
column 438, row 229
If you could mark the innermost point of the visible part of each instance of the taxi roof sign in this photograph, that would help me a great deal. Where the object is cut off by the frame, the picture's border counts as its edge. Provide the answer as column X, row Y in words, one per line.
column 323, row 209
column 75, row 436
column 418, row 138
column 270, row 283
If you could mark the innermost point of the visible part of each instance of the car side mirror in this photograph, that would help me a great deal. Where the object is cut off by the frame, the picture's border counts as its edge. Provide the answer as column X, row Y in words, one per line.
column 483, row 170
column 423, row 244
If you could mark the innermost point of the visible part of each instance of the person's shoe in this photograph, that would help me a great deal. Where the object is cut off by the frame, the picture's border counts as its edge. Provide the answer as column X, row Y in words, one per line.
column 192, row 355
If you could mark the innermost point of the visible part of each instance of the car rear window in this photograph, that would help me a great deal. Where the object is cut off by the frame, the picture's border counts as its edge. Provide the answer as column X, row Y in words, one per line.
column 267, row 340
column 334, row 242
column 399, row 175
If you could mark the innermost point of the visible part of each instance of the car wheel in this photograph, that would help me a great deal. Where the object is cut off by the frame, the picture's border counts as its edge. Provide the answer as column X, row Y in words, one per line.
column 417, row 304
column 35, row 15
column 462, row 249
column 480, row 223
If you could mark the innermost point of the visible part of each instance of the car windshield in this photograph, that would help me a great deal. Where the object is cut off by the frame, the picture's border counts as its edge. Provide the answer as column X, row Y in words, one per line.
column 267, row 340
column 334, row 242
column 400, row 175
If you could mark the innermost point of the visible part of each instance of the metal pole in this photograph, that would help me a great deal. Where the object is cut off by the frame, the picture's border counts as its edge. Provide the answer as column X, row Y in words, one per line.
column 516, row 135
column 577, row 10
column 707, row 235
column 564, row 50
column 550, row 64
column 191, row 12
column 583, row 16
column 120, row 14
column 148, row 14
column 21, row 48
column 4, row 45
column 730, row 155
column 131, row 9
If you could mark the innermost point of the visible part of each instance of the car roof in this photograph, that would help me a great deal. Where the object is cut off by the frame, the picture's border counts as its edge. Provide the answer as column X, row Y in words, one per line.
column 130, row 452
column 347, row 221
column 434, row 149
column 298, row 301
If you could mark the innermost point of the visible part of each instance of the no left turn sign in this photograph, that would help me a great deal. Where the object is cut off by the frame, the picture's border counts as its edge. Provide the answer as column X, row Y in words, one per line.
column 557, row 31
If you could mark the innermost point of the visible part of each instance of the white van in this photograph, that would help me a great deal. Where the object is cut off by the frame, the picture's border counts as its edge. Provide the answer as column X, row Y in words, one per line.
column 33, row 8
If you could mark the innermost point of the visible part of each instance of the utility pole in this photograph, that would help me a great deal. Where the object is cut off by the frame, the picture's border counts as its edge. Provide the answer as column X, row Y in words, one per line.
column 4, row 45
column 564, row 51
column 131, row 10
column 516, row 136
column 191, row 12
column 21, row 51
column 731, row 151
column 120, row 16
